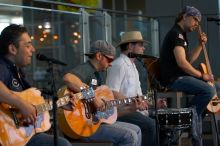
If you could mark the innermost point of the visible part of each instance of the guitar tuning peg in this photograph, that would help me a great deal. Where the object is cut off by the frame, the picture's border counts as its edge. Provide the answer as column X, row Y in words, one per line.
column 82, row 88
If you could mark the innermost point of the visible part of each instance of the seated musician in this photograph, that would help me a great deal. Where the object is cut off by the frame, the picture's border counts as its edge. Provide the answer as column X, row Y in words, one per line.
column 123, row 79
column 16, row 52
column 176, row 61
column 101, row 55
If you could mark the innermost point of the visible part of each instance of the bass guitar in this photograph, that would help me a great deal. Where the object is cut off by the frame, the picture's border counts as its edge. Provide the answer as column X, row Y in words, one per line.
column 214, row 104
column 84, row 119
column 14, row 132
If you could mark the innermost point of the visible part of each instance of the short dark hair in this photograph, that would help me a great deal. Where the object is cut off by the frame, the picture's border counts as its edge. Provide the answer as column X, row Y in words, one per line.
column 91, row 56
column 124, row 47
column 10, row 35
column 180, row 15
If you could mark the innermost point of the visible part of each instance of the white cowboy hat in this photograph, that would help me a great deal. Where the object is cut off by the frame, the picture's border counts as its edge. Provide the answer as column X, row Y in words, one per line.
column 131, row 36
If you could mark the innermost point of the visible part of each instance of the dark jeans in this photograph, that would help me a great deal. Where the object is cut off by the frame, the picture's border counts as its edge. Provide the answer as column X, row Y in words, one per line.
column 202, row 91
column 146, row 124
column 202, row 94
column 119, row 133
column 43, row 139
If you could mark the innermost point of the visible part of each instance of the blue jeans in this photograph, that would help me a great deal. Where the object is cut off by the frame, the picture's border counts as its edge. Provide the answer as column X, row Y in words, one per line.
column 202, row 91
column 120, row 133
column 147, row 125
column 217, row 86
column 43, row 139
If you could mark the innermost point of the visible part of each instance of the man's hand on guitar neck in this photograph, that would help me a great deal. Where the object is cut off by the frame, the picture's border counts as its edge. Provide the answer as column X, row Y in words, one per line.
column 141, row 104
column 99, row 104
column 161, row 103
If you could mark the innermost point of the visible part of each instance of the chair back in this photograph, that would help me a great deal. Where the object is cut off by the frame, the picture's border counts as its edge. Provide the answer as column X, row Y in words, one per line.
column 153, row 68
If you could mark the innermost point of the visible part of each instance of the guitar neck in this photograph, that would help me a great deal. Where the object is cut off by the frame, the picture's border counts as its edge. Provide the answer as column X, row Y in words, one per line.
column 209, row 70
column 124, row 101
column 60, row 102
column 207, row 60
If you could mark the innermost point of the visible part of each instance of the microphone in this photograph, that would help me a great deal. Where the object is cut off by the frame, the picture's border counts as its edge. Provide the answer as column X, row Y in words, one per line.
column 213, row 19
column 134, row 55
column 42, row 57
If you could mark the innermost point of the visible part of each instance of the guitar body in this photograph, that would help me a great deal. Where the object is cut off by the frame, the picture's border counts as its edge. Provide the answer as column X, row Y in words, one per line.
column 77, row 124
column 212, row 106
column 10, row 135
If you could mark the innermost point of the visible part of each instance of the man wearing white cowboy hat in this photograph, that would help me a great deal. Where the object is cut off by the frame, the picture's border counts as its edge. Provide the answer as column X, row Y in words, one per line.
column 123, row 79
column 131, row 36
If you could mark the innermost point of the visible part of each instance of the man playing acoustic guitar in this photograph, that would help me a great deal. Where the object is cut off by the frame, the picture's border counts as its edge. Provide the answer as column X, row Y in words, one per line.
column 101, row 55
column 16, row 52
column 123, row 79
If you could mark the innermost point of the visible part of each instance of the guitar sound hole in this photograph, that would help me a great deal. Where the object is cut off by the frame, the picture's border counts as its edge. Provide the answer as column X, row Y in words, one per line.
column 214, row 103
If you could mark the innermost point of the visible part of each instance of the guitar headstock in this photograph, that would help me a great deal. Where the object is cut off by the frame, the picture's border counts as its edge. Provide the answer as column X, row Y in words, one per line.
column 149, row 96
column 65, row 95
column 150, row 93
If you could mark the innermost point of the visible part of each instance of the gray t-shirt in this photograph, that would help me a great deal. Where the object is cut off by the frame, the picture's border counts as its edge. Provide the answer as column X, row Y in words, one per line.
column 86, row 72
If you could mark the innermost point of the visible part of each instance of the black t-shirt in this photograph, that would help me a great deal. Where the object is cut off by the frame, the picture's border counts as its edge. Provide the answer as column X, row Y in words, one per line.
column 169, row 70
column 143, row 74
column 12, row 76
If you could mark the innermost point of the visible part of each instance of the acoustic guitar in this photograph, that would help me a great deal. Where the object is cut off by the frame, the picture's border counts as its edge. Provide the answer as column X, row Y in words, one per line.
column 13, row 131
column 214, row 104
column 84, row 119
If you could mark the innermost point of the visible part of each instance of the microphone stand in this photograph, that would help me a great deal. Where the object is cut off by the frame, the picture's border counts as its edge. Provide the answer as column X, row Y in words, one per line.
column 54, row 99
column 155, row 82
column 156, row 118
column 155, row 85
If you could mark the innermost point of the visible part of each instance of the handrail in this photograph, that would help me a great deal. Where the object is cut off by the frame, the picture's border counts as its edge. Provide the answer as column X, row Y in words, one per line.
column 90, row 8
column 38, row 8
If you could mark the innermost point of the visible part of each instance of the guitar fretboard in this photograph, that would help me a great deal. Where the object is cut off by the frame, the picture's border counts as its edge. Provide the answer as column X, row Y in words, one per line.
column 128, row 100
column 60, row 102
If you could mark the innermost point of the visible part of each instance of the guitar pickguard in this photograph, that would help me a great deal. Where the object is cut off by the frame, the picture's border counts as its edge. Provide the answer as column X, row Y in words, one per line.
column 29, row 129
column 103, row 115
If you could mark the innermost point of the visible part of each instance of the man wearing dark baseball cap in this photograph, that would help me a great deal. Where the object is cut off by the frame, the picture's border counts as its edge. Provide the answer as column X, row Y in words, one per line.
column 103, row 47
column 176, row 65
column 101, row 55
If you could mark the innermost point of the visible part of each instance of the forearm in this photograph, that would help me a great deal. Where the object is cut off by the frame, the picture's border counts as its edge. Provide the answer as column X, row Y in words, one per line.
column 195, row 53
column 73, row 82
column 202, row 40
column 184, row 64
column 189, row 69
column 7, row 96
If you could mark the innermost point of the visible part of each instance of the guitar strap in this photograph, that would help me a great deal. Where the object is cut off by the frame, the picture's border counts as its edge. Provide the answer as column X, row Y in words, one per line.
column 99, row 78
